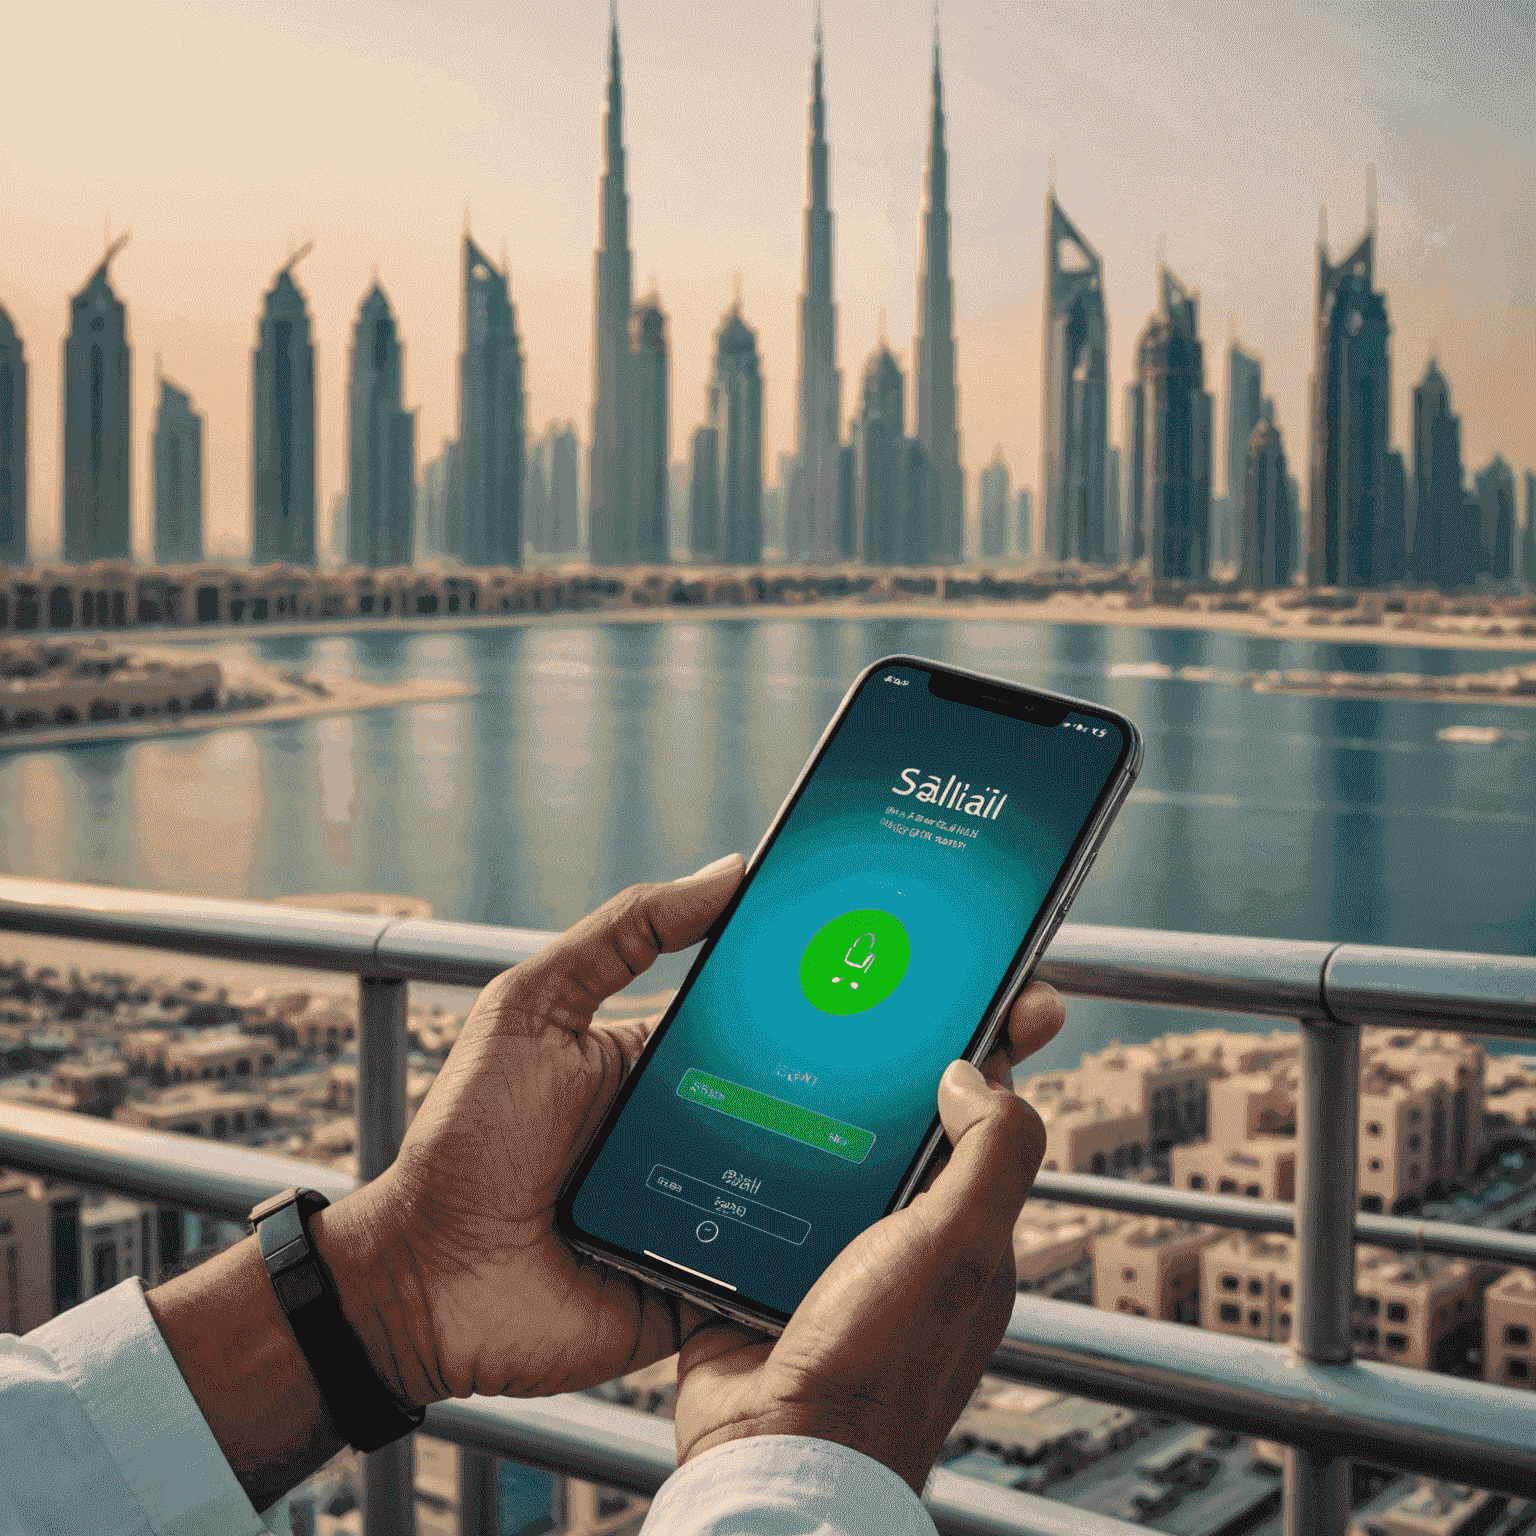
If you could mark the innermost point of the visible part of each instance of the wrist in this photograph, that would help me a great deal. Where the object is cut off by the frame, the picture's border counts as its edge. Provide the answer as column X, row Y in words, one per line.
column 363, row 1245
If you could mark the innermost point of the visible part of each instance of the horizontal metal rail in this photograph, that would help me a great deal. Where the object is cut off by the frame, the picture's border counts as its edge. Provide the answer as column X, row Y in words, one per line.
column 1404, row 1233
column 1312, row 1397
column 1414, row 1420
column 620, row 1448
column 225, row 1180
column 1275, row 978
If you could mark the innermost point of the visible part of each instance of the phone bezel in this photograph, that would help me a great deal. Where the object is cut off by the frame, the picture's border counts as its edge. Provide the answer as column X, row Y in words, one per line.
column 1053, row 910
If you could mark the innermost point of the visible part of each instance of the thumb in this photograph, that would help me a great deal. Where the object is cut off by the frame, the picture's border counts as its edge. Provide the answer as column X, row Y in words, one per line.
column 607, row 949
column 998, row 1142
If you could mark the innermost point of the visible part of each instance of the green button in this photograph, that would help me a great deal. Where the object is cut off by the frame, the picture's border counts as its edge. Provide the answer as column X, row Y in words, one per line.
column 845, row 1141
column 854, row 962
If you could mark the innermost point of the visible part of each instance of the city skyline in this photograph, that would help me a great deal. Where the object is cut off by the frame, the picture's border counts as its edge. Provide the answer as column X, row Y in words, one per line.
column 1454, row 259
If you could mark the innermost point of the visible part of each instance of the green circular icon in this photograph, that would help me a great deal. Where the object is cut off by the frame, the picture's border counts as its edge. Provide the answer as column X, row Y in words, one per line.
column 854, row 962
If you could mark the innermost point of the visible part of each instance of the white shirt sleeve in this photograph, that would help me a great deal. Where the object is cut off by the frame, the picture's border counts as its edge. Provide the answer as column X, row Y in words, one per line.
column 101, row 1435
column 783, row 1485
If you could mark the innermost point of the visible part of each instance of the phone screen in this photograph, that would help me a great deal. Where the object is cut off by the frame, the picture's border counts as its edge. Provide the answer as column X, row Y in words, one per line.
column 793, row 1086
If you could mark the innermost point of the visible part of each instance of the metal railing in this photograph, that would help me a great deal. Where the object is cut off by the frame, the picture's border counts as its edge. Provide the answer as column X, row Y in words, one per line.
column 1325, row 1406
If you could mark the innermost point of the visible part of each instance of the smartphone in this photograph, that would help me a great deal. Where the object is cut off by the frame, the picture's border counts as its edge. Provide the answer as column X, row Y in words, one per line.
column 891, row 914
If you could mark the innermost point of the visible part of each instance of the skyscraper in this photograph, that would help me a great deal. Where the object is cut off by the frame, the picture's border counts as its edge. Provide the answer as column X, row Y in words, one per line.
column 1133, row 460
column 283, row 398
column 1390, row 561
column 1074, row 397
column 1351, row 421
column 564, row 489
column 611, row 532
column 13, row 445
column 381, row 442
column 485, row 503
column 437, row 479
column 812, row 528
column 1528, row 540
column 881, row 468
column 650, row 435
column 1245, row 409
column 536, row 511
column 736, row 414
column 1494, row 488
column 177, row 448
column 933, row 355
column 1026, row 517
column 1171, row 449
column 552, row 497
column 1438, row 484
column 1113, row 534
column 1267, row 537
column 98, row 408
column 994, row 508
column 704, row 540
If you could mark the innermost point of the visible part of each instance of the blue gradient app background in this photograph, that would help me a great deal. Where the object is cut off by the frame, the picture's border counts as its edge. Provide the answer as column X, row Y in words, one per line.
column 966, row 910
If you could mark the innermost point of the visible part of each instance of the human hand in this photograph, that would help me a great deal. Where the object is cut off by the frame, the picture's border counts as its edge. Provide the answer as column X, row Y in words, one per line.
column 884, row 1352
column 449, row 1264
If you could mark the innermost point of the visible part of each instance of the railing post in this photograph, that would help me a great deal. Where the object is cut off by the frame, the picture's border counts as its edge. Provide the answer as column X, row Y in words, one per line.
column 389, row 1476
column 1327, row 1176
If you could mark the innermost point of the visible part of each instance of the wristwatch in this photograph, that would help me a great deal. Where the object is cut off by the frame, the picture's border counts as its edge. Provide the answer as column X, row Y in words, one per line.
column 360, row 1404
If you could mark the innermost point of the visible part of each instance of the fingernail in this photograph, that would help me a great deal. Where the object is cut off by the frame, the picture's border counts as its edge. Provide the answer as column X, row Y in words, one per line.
column 966, row 1080
column 718, row 867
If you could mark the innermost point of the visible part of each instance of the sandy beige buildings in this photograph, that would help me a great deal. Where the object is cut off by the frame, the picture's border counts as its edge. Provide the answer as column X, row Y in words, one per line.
column 1248, row 1286
column 1093, row 1136
column 1418, row 1310
column 199, row 1110
column 1151, row 1268
column 1414, row 1309
column 26, row 1253
column 1261, row 1169
column 1509, row 1325
column 1167, row 1080
column 1052, row 1242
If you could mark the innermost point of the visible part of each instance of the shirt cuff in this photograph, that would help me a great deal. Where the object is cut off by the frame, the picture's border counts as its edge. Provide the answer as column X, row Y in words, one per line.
column 786, row 1485
column 116, row 1360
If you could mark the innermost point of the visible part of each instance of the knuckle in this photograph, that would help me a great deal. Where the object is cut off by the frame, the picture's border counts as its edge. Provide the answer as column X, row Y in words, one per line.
column 633, row 933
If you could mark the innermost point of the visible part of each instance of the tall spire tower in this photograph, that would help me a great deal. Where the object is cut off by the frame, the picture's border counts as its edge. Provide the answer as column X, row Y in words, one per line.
column 611, row 532
column 933, row 353
column 812, row 532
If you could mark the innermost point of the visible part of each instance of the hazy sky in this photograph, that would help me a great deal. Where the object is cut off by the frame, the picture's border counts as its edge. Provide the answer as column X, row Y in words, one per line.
column 220, row 132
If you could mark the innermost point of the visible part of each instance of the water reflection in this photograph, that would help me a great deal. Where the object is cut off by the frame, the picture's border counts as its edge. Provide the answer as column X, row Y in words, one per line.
column 593, row 756
column 209, row 789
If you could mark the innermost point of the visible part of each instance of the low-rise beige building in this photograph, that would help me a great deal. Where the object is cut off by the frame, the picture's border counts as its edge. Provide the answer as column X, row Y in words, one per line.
column 199, row 1110
column 1151, row 1268
column 1248, row 1105
column 1261, row 1169
column 117, row 1239
column 1418, row 1310
column 96, row 1086
column 1053, row 1242
column 216, row 1058
column 1166, row 1080
column 26, row 1253
column 1248, row 1286
column 1414, row 1309
column 1093, row 1137
column 1509, row 1330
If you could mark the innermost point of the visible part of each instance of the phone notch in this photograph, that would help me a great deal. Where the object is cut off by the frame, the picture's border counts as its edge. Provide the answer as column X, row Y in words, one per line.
column 1034, row 709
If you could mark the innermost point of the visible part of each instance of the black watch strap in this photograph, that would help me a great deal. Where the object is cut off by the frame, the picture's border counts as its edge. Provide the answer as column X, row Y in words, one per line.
column 360, row 1404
